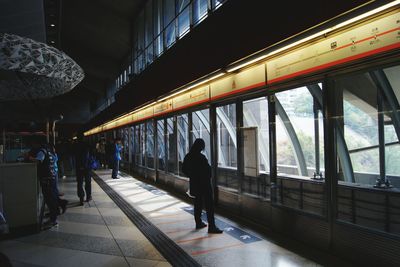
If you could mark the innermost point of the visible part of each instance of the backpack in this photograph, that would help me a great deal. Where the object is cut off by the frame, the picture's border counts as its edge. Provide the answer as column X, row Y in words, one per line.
column 92, row 162
column 46, row 168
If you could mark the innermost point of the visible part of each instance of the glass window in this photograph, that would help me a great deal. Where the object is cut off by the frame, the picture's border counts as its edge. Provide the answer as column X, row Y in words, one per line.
column 169, row 23
column 140, row 33
column 216, row 3
column 201, row 129
column 391, row 137
column 132, row 142
column 183, row 12
column 149, row 54
column 368, row 126
column 169, row 11
column 170, row 36
column 255, row 114
column 150, row 144
column 161, row 145
column 200, row 8
column 299, row 132
column 138, row 158
column 140, row 62
column 183, row 139
column 226, row 136
column 171, row 145
column 149, row 23
column 158, row 43
column 125, row 142
column 143, row 144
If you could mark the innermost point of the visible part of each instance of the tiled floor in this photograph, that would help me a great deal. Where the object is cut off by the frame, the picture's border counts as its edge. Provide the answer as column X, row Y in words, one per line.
column 99, row 234
column 96, row 234
column 237, row 246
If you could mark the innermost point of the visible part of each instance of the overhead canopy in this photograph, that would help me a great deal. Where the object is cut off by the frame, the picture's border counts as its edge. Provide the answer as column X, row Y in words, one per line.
column 33, row 70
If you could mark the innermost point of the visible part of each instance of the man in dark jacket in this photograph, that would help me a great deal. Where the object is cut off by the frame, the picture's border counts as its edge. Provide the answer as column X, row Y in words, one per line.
column 196, row 167
column 82, row 155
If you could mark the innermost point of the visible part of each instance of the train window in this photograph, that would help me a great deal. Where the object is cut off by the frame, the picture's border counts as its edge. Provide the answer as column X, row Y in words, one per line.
column 299, row 132
column 201, row 129
column 368, row 125
column 183, row 139
column 150, row 144
column 171, row 145
column 255, row 114
column 161, row 145
column 226, row 136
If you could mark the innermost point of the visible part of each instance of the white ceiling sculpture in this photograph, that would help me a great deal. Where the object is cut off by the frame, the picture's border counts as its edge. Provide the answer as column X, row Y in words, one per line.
column 33, row 70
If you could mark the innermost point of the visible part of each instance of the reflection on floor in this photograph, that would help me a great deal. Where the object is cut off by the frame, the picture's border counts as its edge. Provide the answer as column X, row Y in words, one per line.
column 237, row 246
column 96, row 234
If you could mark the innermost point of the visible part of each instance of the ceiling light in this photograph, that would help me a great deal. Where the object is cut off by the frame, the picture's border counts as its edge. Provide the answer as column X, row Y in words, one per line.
column 52, row 25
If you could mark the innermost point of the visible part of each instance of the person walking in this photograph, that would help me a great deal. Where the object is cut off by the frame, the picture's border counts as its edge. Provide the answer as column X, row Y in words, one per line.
column 82, row 157
column 116, row 158
column 196, row 167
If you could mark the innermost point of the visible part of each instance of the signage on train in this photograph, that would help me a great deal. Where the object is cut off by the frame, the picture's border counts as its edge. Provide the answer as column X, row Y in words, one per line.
column 229, row 229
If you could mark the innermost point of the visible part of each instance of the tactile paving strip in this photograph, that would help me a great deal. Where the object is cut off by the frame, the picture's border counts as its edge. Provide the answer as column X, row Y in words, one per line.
column 174, row 254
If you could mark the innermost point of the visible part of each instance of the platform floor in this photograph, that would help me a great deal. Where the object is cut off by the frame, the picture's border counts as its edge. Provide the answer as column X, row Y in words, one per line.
column 99, row 233
column 96, row 234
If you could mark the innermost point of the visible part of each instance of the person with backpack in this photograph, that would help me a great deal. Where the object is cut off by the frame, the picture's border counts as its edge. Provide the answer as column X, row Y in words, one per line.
column 196, row 167
column 83, row 155
column 47, row 174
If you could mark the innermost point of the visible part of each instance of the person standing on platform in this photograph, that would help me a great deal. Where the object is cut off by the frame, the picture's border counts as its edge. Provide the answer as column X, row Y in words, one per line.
column 196, row 167
column 117, row 158
column 47, row 174
column 62, row 203
column 82, row 157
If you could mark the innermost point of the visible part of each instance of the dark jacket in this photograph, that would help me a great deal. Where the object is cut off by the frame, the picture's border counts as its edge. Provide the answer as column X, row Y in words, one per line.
column 46, row 168
column 82, row 155
column 196, row 167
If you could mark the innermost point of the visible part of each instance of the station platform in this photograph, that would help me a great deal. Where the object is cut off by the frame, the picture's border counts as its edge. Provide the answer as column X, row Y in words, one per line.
column 132, row 223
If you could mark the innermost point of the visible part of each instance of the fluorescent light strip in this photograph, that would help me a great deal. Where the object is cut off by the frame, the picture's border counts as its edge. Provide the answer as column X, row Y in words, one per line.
column 367, row 14
column 215, row 76
column 206, row 80
column 342, row 24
